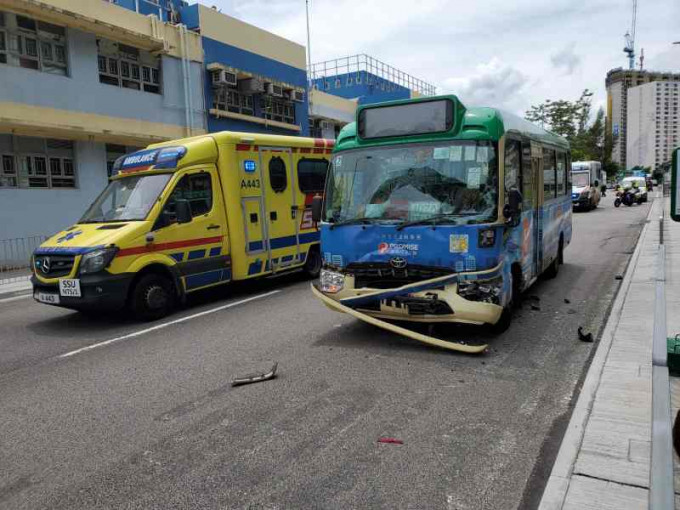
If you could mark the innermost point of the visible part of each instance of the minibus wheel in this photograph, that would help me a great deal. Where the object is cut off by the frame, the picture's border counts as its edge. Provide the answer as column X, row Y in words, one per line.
column 313, row 263
column 152, row 297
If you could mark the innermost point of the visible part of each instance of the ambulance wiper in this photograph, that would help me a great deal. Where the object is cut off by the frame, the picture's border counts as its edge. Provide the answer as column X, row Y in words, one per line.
column 353, row 221
column 433, row 219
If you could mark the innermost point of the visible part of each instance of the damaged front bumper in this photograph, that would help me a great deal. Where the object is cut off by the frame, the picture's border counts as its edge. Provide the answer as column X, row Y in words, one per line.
column 469, row 298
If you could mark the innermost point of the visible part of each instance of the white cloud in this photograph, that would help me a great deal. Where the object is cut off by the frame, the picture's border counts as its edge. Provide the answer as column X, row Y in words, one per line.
column 491, row 84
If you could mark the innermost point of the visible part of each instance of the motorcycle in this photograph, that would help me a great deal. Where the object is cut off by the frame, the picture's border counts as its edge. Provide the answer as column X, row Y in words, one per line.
column 627, row 197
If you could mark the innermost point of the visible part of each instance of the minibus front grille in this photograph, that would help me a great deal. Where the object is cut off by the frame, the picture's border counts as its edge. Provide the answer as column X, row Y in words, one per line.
column 378, row 275
column 54, row 266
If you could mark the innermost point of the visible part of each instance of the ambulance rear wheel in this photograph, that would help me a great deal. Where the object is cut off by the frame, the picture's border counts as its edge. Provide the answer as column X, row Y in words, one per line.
column 152, row 297
column 313, row 263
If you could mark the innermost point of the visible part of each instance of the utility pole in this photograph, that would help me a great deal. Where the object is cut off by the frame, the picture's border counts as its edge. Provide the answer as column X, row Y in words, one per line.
column 309, row 41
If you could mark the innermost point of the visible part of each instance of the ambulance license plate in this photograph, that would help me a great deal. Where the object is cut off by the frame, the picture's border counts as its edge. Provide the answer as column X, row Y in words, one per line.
column 45, row 297
column 69, row 288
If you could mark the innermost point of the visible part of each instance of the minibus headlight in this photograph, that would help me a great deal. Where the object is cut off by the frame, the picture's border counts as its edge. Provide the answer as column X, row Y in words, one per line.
column 487, row 291
column 97, row 260
column 331, row 281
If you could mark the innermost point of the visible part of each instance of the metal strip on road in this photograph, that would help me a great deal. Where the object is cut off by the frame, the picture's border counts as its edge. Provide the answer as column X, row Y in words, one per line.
column 165, row 325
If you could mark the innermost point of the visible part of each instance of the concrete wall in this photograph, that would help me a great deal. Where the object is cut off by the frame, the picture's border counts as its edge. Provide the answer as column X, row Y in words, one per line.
column 32, row 212
column 641, row 126
column 81, row 90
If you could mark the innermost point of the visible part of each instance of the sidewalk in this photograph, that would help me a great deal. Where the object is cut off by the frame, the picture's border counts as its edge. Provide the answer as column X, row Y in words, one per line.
column 604, row 459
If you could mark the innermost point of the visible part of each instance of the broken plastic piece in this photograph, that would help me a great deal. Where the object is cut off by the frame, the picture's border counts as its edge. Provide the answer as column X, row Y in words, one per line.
column 584, row 337
column 567, row 300
column 255, row 377
column 618, row 277
column 390, row 440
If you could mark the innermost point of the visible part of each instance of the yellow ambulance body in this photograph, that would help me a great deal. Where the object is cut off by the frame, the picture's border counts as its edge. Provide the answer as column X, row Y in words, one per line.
column 186, row 215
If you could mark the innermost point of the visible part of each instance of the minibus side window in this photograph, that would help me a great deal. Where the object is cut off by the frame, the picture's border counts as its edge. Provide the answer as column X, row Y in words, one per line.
column 548, row 174
column 513, row 157
column 277, row 174
column 561, row 174
column 197, row 189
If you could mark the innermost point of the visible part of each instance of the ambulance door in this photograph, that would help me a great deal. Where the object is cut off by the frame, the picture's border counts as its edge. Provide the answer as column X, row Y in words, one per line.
column 251, row 186
column 200, row 247
column 280, row 206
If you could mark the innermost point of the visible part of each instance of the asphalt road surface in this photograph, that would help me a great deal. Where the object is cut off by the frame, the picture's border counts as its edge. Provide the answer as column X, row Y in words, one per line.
column 149, row 419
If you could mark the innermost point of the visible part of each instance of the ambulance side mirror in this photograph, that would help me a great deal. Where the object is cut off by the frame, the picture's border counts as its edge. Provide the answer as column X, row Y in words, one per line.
column 183, row 211
column 317, row 203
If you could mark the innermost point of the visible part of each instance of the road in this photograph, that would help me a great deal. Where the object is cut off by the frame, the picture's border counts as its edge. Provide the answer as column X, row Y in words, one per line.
column 149, row 419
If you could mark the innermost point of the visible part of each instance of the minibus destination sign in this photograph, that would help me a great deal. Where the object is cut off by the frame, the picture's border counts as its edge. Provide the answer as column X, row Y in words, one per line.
column 409, row 119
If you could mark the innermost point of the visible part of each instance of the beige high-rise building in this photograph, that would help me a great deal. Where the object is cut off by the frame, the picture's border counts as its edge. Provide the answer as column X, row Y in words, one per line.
column 652, row 123
column 618, row 82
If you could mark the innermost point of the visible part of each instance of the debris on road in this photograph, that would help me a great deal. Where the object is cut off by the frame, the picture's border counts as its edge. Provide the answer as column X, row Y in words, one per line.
column 534, row 298
column 571, row 311
column 536, row 308
column 390, row 440
column 255, row 377
column 618, row 277
column 584, row 337
column 567, row 300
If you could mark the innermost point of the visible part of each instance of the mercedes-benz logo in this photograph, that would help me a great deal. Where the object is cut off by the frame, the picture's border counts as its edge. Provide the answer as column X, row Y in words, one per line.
column 398, row 262
column 45, row 265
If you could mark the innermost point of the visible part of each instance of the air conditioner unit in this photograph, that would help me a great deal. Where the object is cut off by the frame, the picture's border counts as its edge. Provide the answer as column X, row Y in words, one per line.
column 222, row 77
column 251, row 86
column 296, row 95
column 274, row 90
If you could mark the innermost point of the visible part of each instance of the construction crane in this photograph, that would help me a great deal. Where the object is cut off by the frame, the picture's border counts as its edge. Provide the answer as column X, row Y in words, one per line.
column 629, row 49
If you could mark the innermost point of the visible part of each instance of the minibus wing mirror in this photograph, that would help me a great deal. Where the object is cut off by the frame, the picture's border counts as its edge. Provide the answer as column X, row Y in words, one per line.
column 183, row 211
column 317, row 203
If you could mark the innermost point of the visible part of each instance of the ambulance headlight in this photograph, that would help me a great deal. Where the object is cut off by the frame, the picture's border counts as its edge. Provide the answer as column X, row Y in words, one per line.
column 97, row 260
column 331, row 281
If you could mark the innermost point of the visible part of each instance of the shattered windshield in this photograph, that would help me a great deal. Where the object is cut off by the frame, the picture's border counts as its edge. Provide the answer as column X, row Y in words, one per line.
column 414, row 182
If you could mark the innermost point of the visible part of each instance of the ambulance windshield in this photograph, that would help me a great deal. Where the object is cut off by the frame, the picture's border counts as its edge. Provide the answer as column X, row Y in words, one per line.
column 127, row 199
column 456, row 179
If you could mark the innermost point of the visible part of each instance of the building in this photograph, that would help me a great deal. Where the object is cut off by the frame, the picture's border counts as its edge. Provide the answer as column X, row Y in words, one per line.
column 254, row 80
column 81, row 83
column 652, row 123
column 338, row 86
column 618, row 82
column 84, row 82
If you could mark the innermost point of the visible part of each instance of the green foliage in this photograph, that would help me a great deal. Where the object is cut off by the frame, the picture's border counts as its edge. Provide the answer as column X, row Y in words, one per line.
column 570, row 119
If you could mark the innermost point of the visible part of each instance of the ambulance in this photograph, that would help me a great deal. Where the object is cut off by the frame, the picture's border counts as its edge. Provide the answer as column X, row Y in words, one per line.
column 185, row 215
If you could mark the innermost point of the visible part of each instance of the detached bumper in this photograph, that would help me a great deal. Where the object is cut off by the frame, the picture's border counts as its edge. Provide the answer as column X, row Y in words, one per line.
column 100, row 291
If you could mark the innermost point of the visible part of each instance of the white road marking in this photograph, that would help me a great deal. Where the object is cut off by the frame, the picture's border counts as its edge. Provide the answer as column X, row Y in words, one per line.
column 15, row 298
column 166, row 324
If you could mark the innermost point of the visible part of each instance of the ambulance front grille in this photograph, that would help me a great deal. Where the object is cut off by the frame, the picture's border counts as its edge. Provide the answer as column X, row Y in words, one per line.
column 378, row 275
column 54, row 266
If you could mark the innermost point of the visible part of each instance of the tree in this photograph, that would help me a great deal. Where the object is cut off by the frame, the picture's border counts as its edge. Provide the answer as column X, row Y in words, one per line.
column 571, row 119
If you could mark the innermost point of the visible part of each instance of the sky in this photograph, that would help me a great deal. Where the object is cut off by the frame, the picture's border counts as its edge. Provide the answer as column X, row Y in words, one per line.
column 506, row 54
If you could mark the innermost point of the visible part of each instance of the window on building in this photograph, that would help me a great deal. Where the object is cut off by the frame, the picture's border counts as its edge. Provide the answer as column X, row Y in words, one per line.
column 548, row 174
column 312, row 175
column 128, row 67
column 278, row 178
column 279, row 110
column 28, row 162
column 231, row 100
column 31, row 44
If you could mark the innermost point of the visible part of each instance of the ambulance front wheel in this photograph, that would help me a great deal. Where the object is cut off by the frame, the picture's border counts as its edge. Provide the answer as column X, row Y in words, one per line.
column 313, row 263
column 152, row 297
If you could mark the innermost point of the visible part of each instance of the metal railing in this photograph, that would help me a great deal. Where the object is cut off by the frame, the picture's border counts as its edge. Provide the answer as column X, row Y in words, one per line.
column 372, row 66
column 15, row 254
column 661, row 490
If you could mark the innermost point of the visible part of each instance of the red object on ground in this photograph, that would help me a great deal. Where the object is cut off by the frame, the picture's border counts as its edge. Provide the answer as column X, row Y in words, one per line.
column 390, row 440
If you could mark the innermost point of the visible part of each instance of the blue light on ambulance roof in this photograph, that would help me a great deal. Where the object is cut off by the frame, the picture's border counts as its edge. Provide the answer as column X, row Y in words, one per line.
column 166, row 157
column 249, row 166
column 169, row 156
